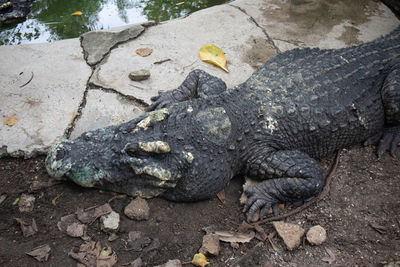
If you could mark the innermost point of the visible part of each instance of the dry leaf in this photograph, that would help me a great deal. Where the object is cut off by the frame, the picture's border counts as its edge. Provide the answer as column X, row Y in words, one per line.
column 229, row 236
column 221, row 196
column 2, row 198
column 40, row 253
column 180, row 3
column 200, row 260
column 144, row 52
column 10, row 121
column 213, row 54
column 331, row 259
column 77, row 13
column 26, row 228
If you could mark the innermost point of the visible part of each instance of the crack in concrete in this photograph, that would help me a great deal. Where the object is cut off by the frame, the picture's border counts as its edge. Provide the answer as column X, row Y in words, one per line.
column 269, row 39
column 90, row 86
column 293, row 42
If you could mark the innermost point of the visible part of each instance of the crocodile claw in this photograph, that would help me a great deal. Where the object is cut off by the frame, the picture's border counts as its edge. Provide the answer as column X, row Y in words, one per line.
column 258, row 199
column 388, row 139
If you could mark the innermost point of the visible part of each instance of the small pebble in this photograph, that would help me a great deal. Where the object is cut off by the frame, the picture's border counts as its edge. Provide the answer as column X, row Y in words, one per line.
column 110, row 222
column 210, row 245
column 290, row 233
column 26, row 203
column 139, row 75
column 138, row 209
column 316, row 235
column 171, row 263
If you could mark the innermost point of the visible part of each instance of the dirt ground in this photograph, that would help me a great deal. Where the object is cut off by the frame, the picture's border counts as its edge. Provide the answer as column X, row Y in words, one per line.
column 361, row 217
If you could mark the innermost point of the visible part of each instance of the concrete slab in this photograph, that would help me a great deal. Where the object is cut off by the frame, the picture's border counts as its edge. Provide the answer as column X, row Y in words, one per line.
column 103, row 109
column 324, row 24
column 57, row 76
column 245, row 45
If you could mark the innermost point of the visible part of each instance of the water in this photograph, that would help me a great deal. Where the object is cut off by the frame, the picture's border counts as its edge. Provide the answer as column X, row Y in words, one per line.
column 51, row 20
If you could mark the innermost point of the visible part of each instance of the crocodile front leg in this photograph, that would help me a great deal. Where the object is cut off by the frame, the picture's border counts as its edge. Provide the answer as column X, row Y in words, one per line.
column 197, row 84
column 290, row 176
column 389, row 136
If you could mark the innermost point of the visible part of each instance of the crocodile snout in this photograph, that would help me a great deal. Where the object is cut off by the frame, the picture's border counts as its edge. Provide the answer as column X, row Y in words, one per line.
column 58, row 162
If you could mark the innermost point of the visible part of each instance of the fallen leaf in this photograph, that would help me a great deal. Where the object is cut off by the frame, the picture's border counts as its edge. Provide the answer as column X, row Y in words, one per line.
column 2, row 198
column 91, row 254
column 274, row 247
column 26, row 228
column 15, row 201
column 229, row 236
column 10, row 121
column 331, row 259
column 379, row 228
column 40, row 253
column 54, row 200
column 180, row 3
column 213, row 54
column 77, row 13
column 144, row 52
column 37, row 185
column 221, row 196
column 76, row 230
column 101, row 210
column 199, row 260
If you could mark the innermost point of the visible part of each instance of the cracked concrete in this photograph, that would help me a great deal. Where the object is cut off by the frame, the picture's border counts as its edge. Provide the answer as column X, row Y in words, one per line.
column 68, row 87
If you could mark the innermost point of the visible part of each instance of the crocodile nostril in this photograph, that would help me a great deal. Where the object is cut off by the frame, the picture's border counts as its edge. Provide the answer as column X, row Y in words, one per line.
column 131, row 149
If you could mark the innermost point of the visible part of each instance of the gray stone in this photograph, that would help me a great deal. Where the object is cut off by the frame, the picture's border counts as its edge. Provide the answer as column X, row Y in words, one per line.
column 97, row 44
column 210, row 245
column 138, row 209
column 110, row 222
column 235, row 35
column 290, row 233
column 316, row 235
column 104, row 109
column 139, row 75
column 26, row 203
column 42, row 85
column 171, row 263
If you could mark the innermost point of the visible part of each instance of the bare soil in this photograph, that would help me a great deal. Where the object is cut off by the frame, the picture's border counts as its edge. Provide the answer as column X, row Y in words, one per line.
column 361, row 217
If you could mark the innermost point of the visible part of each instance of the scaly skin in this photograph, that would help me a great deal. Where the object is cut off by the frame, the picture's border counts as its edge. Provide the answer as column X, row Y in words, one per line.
column 300, row 106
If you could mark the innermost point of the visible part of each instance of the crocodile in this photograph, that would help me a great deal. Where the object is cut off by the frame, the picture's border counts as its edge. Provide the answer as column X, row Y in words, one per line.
column 300, row 106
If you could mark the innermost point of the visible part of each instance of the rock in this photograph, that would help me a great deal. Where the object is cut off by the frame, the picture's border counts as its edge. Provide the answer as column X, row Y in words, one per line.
column 290, row 233
column 138, row 209
column 316, row 235
column 139, row 75
column 76, row 230
column 171, row 263
column 26, row 203
column 210, row 245
column 110, row 222
column 96, row 44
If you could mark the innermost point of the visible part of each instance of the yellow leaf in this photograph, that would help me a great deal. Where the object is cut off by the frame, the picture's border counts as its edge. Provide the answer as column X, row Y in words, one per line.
column 200, row 260
column 144, row 52
column 213, row 54
column 10, row 121
column 77, row 13
column 180, row 3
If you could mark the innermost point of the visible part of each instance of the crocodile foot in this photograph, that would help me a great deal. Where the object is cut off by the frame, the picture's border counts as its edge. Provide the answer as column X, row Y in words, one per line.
column 388, row 139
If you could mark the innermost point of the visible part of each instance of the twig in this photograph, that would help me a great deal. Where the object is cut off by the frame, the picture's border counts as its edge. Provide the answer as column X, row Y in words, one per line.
column 27, row 81
column 248, row 254
column 162, row 61
column 324, row 193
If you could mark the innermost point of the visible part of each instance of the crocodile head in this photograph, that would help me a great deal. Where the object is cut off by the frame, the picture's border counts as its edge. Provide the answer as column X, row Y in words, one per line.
column 133, row 158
